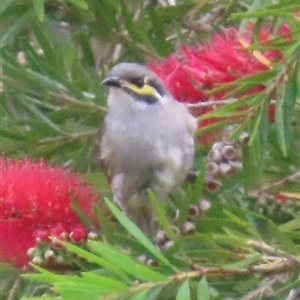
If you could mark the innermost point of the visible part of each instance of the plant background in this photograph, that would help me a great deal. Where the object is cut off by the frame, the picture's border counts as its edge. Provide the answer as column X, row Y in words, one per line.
column 53, row 57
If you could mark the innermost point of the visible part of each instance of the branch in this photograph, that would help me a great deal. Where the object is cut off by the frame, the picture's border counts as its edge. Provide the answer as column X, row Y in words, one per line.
column 69, row 99
column 280, row 182
column 215, row 103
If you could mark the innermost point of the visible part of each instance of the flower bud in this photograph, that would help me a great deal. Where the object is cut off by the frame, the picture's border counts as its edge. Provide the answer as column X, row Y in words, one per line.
column 168, row 244
column 161, row 237
column 188, row 227
column 229, row 152
column 37, row 260
column 214, row 155
column 212, row 169
column 212, row 185
column 93, row 235
column 204, row 205
column 237, row 165
column 143, row 258
column 217, row 146
column 49, row 255
column 193, row 211
column 151, row 262
column 31, row 251
column 244, row 138
column 226, row 169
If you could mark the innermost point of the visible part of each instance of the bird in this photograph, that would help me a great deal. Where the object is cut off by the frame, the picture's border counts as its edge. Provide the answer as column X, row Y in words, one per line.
column 147, row 141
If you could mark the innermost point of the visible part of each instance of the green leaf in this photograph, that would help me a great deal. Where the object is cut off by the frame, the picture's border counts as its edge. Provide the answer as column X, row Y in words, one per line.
column 112, row 267
column 160, row 213
column 12, row 135
column 280, row 128
column 136, row 32
column 79, row 3
column 89, row 286
column 39, row 9
column 172, row 12
column 228, row 109
column 124, row 262
column 203, row 289
column 15, row 28
column 5, row 4
column 159, row 41
column 36, row 112
column 137, row 233
column 284, row 109
column 184, row 291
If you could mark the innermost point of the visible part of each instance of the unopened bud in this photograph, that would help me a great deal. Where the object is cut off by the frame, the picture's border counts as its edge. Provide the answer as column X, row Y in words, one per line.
column 37, row 260
column 212, row 185
column 151, row 262
column 188, row 227
column 21, row 58
column 204, row 205
column 214, row 155
column 31, row 251
column 49, row 254
column 161, row 237
column 236, row 164
column 212, row 168
column 168, row 244
column 244, row 138
column 193, row 211
column 226, row 169
column 40, row 51
column 92, row 235
column 217, row 146
column 60, row 260
column 143, row 258
column 229, row 152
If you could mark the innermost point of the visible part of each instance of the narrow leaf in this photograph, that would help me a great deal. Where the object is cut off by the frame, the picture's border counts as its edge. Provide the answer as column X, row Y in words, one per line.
column 184, row 291
column 124, row 262
column 136, row 232
column 39, row 9
column 203, row 289
column 160, row 213
column 79, row 3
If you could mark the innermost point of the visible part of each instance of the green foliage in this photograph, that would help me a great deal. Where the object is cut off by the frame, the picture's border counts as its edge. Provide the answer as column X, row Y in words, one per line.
column 53, row 56
column 229, row 242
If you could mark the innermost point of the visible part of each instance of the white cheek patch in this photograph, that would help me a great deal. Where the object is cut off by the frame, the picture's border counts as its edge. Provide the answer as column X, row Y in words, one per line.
column 141, row 105
column 165, row 100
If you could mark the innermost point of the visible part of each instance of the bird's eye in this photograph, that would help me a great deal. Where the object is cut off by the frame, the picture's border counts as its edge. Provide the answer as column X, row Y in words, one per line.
column 139, row 82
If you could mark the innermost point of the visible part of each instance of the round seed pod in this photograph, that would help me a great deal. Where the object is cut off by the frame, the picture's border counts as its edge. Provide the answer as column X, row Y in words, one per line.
column 214, row 155
column 226, row 169
column 193, row 211
column 161, row 237
column 229, row 152
column 204, row 205
column 212, row 168
column 188, row 227
column 244, row 138
column 212, row 184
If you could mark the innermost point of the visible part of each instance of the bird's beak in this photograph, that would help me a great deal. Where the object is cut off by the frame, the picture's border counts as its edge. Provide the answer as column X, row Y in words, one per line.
column 112, row 81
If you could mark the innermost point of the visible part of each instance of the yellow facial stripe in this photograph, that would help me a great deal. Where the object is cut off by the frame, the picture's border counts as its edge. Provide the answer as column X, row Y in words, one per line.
column 146, row 90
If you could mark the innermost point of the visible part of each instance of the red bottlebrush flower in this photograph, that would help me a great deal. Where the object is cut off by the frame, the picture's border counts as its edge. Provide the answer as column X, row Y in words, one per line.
column 35, row 203
column 194, row 71
column 280, row 198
